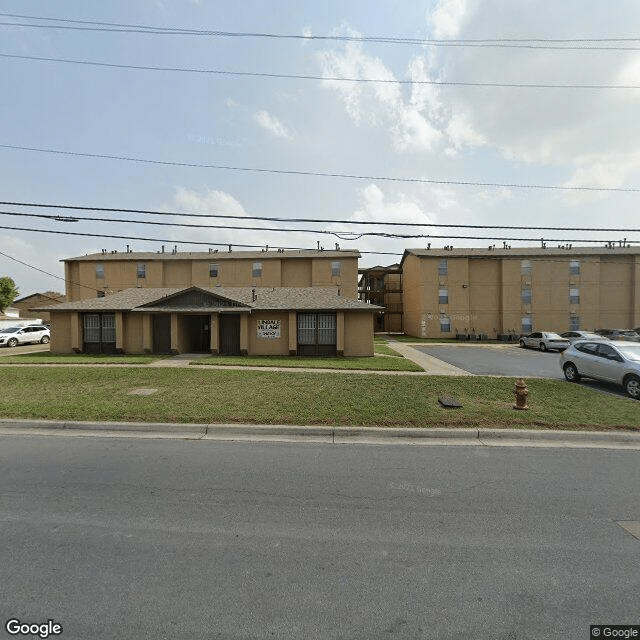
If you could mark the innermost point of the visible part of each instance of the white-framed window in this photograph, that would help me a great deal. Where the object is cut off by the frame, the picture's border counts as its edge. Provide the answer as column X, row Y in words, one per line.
column 526, row 294
column 213, row 269
column 443, row 267
column 443, row 295
column 526, row 324
column 336, row 269
column 141, row 270
column 574, row 295
column 445, row 324
column 574, row 322
column 574, row 267
column 256, row 271
column 525, row 267
column 99, row 270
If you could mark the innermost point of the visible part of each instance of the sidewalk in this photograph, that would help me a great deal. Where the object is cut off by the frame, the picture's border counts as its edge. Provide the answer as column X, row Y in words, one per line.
column 330, row 435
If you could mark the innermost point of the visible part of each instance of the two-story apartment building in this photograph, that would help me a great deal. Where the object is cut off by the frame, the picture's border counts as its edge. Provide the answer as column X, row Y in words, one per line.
column 235, row 302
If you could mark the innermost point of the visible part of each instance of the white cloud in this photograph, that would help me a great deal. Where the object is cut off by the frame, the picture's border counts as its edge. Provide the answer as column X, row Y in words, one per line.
column 448, row 18
column 271, row 124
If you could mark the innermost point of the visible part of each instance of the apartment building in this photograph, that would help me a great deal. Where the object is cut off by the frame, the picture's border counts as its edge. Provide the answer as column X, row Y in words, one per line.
column 501, row 291
column 108, row 272
column 230, row 303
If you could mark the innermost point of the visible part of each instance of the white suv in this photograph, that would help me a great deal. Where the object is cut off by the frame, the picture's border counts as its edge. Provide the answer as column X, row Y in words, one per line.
column 12, row 336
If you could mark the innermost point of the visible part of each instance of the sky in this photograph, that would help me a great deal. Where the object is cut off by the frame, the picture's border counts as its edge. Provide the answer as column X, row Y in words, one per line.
column 407, row 144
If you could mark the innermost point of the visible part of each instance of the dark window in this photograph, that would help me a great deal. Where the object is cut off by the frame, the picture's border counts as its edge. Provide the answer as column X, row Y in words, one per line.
column 574, row 323
column 99, row 270
column 574, row 296
column 526, row 295
column 445, row 325
column 213, row 270
column 605, row 351
column 574, row 267
column 588, row 347
column 336, row 268
column 525, row 267
column 443, row 296
column 141, row 270
column 256, row 272
column 443, row 267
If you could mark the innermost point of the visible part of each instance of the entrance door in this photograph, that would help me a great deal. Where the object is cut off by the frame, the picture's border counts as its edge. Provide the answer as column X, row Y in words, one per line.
column 162, row 333
column 230, row 334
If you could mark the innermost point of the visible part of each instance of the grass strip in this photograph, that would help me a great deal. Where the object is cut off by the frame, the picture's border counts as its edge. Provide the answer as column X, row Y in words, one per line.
column 368, row 364
column 77, row 358
column 266, row 397
column 385, row 350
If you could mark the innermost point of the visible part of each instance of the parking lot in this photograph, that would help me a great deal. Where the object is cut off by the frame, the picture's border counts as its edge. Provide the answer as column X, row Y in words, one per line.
column 21, row 349
column 497, row 360
column 507, row 360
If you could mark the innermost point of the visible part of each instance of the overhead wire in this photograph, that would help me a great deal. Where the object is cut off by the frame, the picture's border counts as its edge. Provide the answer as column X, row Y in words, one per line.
column 535, row 43
column 311, row 220
column 287, row 76
column 466, row 183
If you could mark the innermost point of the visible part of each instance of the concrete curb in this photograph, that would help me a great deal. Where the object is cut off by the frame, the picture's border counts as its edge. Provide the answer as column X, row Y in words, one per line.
column 327, row 434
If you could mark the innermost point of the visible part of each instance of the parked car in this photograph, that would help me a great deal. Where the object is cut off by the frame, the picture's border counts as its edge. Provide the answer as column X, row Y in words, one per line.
column 12, row 336
column 544, row 340
column 619, row 334
column 573, row 336
column 611, row 361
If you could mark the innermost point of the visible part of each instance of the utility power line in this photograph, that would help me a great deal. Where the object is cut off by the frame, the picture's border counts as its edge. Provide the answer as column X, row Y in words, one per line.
column 463, row 183
column 391, row 236
column 532, row 43
column 290, row 220
column 286, row 76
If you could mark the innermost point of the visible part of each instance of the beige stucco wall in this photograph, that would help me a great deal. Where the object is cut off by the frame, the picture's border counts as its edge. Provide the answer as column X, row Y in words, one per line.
column 358, row 333
column 61, row 332
column 269, row 346
column 296, row 273
column 133, row 329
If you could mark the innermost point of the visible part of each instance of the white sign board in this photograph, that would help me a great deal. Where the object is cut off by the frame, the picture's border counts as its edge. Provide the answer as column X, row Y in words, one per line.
column 269, row 329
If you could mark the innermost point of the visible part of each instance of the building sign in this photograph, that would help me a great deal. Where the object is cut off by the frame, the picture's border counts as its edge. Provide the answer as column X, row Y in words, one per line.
column 269, row 329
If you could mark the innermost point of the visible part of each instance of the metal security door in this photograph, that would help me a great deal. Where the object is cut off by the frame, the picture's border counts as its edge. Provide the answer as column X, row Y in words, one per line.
column 317, row 334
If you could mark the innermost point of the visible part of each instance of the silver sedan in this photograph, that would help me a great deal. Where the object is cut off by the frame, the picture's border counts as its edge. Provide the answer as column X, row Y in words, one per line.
column 544, row 340
column 612, row 361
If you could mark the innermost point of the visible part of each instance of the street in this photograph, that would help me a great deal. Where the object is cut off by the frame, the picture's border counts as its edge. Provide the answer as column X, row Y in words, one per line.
column 142, row 538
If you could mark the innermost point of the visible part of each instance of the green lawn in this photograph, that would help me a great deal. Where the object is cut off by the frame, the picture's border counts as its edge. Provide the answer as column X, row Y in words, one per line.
column 214, row 396
column 76, row 358
column 369, row 364
column 384, row 350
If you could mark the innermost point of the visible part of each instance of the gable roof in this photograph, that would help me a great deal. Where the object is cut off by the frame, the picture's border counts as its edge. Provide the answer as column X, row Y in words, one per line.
column 238, row 298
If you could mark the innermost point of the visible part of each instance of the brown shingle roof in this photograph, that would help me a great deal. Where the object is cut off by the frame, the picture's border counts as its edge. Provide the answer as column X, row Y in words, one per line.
column 216, row 255
column 267, row 299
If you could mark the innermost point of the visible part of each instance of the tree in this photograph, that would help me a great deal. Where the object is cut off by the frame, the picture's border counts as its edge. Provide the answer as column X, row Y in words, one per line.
column 8, row 292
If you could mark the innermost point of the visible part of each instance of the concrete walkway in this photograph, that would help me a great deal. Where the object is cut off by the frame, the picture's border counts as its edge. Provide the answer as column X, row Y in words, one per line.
column 431, row 365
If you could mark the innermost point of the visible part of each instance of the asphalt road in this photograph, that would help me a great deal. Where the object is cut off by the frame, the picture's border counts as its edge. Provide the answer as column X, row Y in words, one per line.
column 497, row 360
column 127, row 538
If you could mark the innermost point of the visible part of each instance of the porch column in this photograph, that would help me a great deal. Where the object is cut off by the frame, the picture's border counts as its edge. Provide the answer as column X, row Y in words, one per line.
column 147, row 333
column 215, row 334
column 293, row 333
column 120, row 341
column 244, row 334
column 174, row 333
column 340, row 333
column 76, row 332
